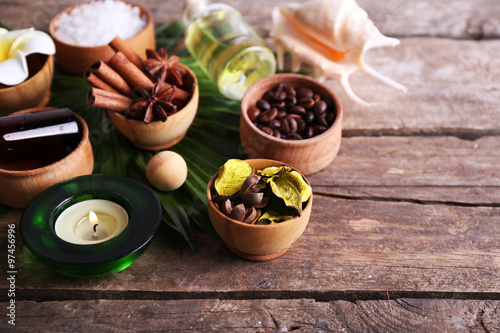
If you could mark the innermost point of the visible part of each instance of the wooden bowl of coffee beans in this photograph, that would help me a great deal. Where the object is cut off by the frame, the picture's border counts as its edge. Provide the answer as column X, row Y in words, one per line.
column 291, row 118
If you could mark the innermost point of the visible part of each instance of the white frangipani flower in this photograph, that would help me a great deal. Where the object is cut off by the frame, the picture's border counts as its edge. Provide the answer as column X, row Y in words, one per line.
column 15, row 46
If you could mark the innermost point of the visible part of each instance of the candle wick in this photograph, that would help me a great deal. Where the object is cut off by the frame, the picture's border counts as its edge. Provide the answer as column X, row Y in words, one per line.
column 95, row 231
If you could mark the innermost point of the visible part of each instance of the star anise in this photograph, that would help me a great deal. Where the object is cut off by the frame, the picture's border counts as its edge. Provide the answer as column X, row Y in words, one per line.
column 158, row 63
column 154, row 104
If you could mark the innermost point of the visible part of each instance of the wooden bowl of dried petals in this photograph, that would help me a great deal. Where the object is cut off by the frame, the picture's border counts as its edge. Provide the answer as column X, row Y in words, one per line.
column 259, row 207
column 152, row 101
column 291, row 118
column 81, row 33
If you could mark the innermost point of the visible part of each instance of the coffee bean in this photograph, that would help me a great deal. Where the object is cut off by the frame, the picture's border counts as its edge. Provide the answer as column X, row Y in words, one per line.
column 282, row 114
column 330, row 117
column 294, row 116
column 308, row 132
column 291, row 99
column 318, row 129
column 253, row 113
column 294, row 136
column 274, row 124
column 309, row 117
column 329, row 103
column 265, row 129
column 292, row 113
column 263, row 105
column 321, row 121
column 269, row 115
column 304, row 92
column 289, row 125
column 280, row 87
column 268, row 96
column 301, row 125
column 319, row 107
column 297, row 109
column 279, row 95
column 306, row 102
column 279, row 105
column 293, row 123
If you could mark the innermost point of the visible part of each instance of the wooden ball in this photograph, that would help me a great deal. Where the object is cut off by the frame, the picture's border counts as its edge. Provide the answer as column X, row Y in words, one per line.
column 166, row 171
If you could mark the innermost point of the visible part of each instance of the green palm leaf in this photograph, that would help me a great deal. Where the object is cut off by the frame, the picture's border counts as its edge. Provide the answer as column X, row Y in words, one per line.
column 211, row 140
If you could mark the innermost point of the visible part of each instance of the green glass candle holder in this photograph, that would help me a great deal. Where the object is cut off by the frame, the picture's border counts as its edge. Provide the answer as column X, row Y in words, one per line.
column 112, row 254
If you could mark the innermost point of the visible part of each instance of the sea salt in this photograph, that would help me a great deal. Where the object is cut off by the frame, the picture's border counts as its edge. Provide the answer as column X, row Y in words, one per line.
column 98, row 22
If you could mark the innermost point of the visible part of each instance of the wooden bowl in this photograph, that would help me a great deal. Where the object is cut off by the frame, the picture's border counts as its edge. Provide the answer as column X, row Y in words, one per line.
column 161, row 135
column 18, row 188
column 257, row 242
column 307, row 155
column 77, row 59
column 33, row 92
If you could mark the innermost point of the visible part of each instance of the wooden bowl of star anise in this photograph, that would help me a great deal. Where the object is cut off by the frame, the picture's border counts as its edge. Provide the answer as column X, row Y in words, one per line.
column 151, row 101
column 250, row 237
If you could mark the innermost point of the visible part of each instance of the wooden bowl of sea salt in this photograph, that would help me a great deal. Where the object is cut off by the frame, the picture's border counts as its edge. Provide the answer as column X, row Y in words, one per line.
column 81, row 33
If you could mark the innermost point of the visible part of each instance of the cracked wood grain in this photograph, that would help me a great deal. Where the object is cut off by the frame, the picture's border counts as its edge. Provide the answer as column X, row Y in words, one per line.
column 460, row 19
column 360, row 247
column 426, row 170
column 297, row 315
column 351, row 244
column 412, row 213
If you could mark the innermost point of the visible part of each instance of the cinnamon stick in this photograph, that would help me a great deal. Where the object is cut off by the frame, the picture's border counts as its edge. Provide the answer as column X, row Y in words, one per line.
column 119, row 45
column 182, row 96
column 111, row 77
column 108, row 100
column 129, row 72
column 96, row 81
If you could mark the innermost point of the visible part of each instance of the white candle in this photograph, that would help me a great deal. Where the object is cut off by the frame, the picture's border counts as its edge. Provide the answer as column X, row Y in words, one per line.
column 75, row 226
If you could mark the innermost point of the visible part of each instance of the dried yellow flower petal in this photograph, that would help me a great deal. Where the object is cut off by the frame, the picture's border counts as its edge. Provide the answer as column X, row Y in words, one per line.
column 291, row 176
column 299, row 183
column 272, row 171
column 269, row 218
column 287, row 192
column 231, row 176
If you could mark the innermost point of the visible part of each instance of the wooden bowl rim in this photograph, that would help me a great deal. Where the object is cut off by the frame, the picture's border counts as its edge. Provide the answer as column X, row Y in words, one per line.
column 68, row 10
column 8, row 89
column 257, row 226
column 194, row 99
column 284, row 78
column 57, row 164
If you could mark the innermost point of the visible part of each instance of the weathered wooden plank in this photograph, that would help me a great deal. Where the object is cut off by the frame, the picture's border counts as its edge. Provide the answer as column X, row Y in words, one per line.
column 300, row 315
column 453, row 85
column 453, row 89
column 357, row 247
column 387, row 239
column 428, row 169
column 451, row 18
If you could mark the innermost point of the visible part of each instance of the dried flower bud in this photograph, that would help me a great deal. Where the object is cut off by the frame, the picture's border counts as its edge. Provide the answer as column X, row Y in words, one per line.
column 238, row 212
column 251, row 215
column 226, row 207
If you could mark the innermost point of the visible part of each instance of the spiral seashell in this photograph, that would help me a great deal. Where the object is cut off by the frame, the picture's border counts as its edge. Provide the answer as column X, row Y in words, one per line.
column 332, row 36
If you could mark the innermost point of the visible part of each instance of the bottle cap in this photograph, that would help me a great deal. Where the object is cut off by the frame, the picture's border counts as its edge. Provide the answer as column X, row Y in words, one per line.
column 191, row 8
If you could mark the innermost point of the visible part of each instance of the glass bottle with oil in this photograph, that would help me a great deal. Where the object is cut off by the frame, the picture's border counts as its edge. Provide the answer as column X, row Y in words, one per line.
column 226, row 47
column 34, row 140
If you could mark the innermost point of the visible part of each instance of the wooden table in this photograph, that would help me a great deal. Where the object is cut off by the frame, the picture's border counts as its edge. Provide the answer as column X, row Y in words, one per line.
column 405, row 229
